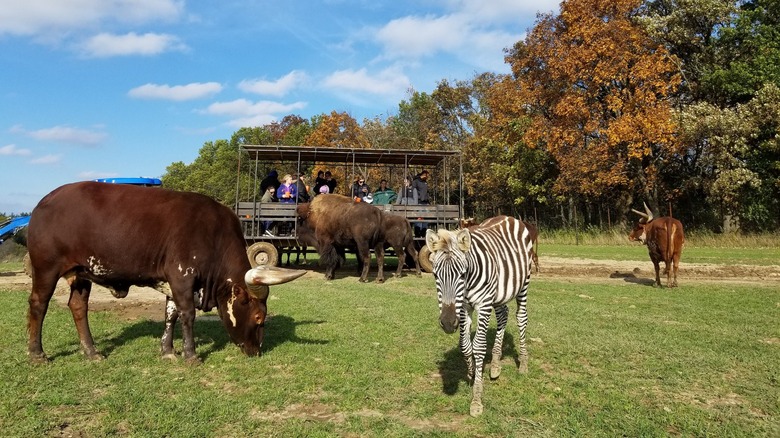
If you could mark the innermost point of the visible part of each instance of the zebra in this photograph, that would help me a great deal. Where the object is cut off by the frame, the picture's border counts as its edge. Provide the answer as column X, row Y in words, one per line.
column 482, row 268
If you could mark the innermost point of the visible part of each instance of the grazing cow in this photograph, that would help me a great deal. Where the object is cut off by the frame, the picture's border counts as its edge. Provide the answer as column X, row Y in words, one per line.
column 337, row 221
column 664, row 238
column 185, row 245
column 533, row 231
column 399, row 235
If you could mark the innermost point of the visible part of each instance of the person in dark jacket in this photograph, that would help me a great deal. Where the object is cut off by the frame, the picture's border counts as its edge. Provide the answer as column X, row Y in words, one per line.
column 420, row 183
column 271, row 180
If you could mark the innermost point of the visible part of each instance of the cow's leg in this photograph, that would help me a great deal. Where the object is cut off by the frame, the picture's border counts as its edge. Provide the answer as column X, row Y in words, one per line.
column 535, row 259
column 379, row 250
column 79, row 307
column 675, row 265
column 185, row 304
column 668, row 273
column 502, row 315
column 166, row 343
column 657, row 266
column 480, row 346
column 44, row 283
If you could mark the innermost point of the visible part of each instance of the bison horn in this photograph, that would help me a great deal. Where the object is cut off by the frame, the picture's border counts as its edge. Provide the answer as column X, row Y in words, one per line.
column 649, row 213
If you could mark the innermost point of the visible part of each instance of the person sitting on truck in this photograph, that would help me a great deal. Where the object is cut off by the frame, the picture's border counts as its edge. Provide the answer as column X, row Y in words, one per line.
column 272, row 180
column 319, row 182
column 360, row 190
column 330, row 182
column 383, row 194
column 287, row 192
column 407, row 194
column 268, row 196
column 303, row 188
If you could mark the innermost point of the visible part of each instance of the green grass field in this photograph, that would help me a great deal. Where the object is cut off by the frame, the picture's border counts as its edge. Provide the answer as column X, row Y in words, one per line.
column 343, row 358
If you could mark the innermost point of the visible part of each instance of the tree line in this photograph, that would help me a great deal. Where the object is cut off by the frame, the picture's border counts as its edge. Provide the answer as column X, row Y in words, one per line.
column 609, row 105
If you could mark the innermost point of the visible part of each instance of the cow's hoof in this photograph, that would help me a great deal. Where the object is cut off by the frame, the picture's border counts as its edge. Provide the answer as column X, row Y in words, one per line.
column 363, row 280
column 38, row 358
column 419, row 274
column 476, row 409
column 169, row 356
column 192, row 360
column 380, row 280
column 95, row 356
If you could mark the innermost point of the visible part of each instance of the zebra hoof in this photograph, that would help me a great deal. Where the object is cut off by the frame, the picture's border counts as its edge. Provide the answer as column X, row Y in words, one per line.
column 476, row 409
column 495, row 371
column 522, row 366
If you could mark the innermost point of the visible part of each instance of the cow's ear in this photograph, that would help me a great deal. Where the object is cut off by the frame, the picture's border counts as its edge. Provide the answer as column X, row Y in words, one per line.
column 241, row 294
column 432, row 240
column 463, row 238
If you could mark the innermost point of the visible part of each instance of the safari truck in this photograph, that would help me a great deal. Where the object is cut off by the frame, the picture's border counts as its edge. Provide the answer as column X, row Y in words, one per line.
column 445, row 189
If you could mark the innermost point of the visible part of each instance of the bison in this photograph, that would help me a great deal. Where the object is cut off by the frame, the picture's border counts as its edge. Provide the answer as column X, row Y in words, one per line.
column 399, row 235
column 185, row 245
column 336, row 221
column 664, row 238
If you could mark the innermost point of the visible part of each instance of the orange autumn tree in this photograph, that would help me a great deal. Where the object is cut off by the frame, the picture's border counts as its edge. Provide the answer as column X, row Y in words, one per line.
column 339, row 130
column 597, row 90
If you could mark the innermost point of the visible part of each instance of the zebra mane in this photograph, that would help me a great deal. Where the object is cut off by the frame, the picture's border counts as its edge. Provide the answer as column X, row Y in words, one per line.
column 449, row 241
column 445, row 238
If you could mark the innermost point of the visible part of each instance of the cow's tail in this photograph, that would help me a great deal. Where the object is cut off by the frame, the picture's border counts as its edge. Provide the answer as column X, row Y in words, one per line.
column 670, row 241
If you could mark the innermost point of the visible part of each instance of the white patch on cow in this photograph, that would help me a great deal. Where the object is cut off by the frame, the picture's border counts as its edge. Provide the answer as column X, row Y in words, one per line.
column 187, row 271
column 230, row 310
column 97, row 268
column 170, row 309
column 180, row 268
column 198, row 298
column 163, row 288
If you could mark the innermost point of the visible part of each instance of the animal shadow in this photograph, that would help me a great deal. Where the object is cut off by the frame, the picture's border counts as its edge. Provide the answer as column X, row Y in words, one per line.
column 630, row 277
column 452, row 367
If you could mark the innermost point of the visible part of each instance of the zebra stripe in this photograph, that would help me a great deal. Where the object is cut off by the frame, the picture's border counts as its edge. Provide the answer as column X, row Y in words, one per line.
column 482, row 268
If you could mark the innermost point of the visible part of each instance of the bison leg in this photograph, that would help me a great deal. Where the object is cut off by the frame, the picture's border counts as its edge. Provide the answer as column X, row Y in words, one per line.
column 379, row 250
column 413, row 254
column 401, row 255
column 166, row 343
column 43, row 287
column 79, row 308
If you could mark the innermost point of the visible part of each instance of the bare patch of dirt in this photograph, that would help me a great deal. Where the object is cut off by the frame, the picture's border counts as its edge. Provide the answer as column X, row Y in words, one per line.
column 147, row 303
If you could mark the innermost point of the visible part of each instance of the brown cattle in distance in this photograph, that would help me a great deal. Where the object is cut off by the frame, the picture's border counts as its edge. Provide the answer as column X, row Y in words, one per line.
column 338, row 222
column 533, row 231
column 185, row 245
column 664, row 238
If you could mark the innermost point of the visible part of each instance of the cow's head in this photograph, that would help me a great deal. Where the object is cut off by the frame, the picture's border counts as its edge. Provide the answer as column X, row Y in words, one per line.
column 639, row 233
column 245, row 311
column 448, row 253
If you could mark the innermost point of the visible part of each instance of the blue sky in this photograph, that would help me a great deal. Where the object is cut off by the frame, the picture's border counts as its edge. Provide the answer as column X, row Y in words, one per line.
column 123, row 88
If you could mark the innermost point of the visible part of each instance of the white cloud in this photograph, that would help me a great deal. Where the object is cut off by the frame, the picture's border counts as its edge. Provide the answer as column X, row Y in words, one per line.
column 247, row 113
column 37, row 17
column 106, row 45
column 195, row 90
column 502, row 10
column 66, row 134
column 47, row 159
column 277, row 88
column 12, row 149
column 389, row 82
column 414, row 37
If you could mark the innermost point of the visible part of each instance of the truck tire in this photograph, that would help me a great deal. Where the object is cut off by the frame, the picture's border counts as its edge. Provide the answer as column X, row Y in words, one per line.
column 262, row 254
column 424, row 257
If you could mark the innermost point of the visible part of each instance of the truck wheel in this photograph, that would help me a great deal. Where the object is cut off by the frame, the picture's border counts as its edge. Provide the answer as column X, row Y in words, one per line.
column 262, row 254
column 424, row 257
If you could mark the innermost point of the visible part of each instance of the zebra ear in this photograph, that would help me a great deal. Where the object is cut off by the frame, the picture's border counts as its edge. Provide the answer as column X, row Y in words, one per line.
column 431, row 240
column 463, row 238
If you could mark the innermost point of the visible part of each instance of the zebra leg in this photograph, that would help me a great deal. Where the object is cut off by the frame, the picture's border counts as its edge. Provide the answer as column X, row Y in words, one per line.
column 502, row 315
column 465, row 342
column 480, row 343
column 522, row 323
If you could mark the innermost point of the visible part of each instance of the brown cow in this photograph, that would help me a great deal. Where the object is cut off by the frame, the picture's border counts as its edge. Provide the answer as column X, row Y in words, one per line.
column 399, row 235
column 338, row 222
column 533, row 231
column 185, row 245
column 664, row 238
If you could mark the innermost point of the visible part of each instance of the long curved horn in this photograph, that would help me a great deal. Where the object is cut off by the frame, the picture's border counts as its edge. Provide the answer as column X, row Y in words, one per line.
column 271, row 275
column 640, row 213
column 649, row 213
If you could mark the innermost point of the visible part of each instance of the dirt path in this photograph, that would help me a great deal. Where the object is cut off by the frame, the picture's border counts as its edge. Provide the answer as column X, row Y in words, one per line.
column 148, row 303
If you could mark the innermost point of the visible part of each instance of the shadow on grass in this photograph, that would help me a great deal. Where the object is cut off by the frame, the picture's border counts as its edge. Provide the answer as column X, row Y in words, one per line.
column 210, row 336
column 630, row 277
column 452, row 367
